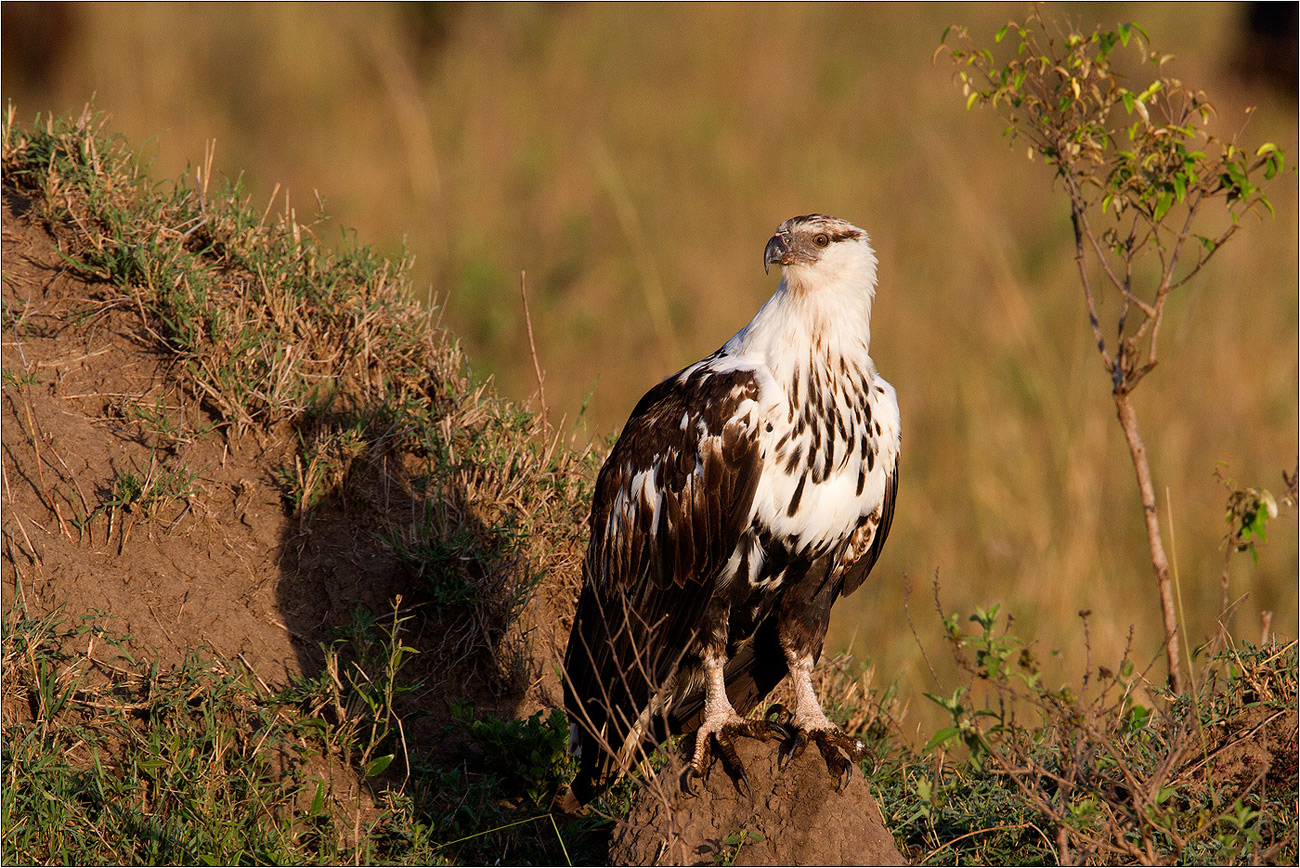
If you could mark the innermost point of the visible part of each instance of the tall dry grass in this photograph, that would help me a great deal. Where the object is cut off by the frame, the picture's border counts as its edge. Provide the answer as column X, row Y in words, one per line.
column 634, row 160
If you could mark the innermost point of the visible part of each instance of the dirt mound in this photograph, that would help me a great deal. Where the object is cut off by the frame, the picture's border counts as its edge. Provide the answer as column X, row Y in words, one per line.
column 128, row 500
column 122, row 498
column 793, row 817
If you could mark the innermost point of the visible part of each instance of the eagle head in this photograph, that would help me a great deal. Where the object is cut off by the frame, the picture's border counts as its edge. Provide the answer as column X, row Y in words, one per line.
column 818, row 242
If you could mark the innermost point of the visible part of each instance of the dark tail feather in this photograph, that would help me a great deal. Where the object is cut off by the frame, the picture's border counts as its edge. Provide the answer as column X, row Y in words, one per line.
column 589, row 782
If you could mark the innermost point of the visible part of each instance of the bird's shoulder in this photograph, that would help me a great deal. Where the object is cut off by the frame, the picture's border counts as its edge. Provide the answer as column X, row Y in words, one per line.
column 677, row 491
column 714, row 403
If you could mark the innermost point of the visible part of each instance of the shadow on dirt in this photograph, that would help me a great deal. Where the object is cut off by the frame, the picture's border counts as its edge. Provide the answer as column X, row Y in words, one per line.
column 410, row 540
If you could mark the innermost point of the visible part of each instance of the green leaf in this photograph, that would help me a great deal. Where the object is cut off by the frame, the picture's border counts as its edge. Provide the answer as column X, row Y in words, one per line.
column 1272, row 165
column 943, row 736
column 1154, row 88
column 1164, row 201
column 318, row 800
column 1137, row 719
column 997, row 37
column 1180, row 188
column 970, row 100
column 986, row 618
column 1256, row 525
column 378, row 765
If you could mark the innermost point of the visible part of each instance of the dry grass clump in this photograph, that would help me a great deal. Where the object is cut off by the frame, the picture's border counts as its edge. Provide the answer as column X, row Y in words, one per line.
column 1202, row 777
column 282, row 336
column 268, row 322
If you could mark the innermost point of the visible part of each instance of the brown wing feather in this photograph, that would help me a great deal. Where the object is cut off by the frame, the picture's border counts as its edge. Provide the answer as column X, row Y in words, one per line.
column 647, row 582
column 858, row 570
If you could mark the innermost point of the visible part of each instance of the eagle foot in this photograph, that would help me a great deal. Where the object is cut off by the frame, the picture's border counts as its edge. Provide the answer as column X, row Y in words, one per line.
column 720, row 743
column 841, row 751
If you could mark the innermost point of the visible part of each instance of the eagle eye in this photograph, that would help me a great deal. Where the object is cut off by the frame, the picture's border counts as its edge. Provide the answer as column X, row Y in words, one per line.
column 821, row 239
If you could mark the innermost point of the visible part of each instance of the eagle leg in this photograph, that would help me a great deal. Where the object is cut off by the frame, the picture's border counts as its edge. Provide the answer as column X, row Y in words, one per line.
column 840, row 750
column 721, row 725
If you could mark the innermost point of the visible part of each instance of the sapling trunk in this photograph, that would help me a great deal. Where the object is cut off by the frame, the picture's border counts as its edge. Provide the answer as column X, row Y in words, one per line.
column 1122, row 382
column 1164, row 582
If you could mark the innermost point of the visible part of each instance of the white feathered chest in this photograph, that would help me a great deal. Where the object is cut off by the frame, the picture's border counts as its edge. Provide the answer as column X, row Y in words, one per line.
column 828, row 449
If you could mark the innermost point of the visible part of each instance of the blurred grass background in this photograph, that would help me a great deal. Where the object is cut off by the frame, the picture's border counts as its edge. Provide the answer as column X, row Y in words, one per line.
column 634, row 159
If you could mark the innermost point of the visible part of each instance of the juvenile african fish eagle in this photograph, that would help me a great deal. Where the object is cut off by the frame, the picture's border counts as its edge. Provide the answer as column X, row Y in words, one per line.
column 744, row 496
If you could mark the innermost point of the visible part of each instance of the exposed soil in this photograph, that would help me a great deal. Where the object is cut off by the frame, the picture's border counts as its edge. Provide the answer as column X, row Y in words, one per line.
column 223, row 565
column 793, row 817
column 220, row 566
column 204, row 569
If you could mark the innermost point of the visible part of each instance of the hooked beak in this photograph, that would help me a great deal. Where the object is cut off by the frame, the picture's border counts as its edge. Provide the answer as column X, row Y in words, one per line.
column 777, row 250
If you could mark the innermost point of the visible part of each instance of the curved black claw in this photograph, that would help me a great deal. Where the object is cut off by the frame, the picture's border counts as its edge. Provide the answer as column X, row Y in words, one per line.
column 731, row 763
column 722, row 741
column 792, row 748
column 688, row 774
column 841, row 752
